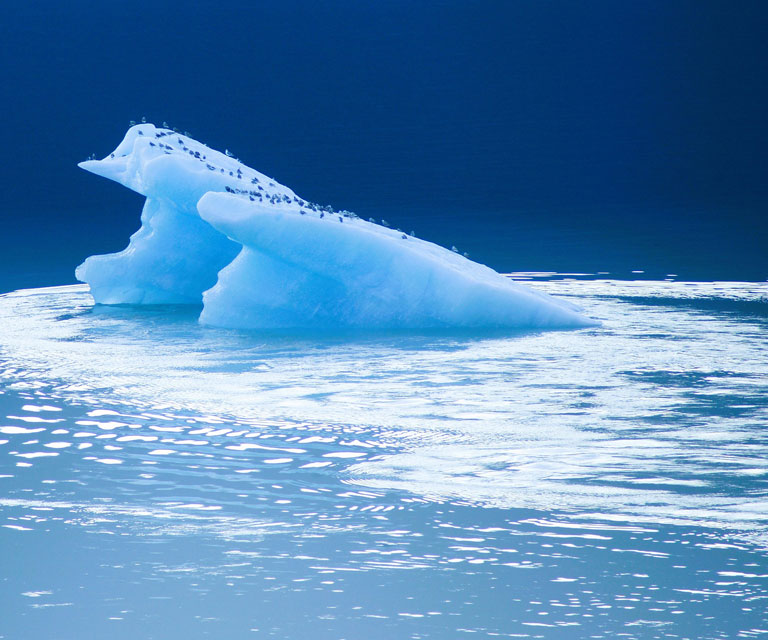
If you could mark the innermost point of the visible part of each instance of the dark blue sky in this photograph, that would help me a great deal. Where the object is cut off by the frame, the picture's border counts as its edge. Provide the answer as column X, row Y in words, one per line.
column 537, row 135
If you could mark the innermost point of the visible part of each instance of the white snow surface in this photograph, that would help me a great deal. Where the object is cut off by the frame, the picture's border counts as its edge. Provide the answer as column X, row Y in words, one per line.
column 260, row 257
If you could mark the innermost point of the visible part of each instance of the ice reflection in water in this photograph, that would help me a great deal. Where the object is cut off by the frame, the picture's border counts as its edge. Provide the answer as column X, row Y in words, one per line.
column 163, row 480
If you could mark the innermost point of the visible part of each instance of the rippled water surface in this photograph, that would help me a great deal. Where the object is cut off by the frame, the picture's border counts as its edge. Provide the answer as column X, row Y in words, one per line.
column 163, row 480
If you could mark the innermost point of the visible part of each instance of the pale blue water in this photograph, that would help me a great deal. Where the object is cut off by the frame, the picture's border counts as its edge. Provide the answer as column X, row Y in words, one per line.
column 166, row 481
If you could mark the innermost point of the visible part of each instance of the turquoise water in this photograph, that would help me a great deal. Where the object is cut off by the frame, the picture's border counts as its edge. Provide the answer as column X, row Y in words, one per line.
column 163, row 480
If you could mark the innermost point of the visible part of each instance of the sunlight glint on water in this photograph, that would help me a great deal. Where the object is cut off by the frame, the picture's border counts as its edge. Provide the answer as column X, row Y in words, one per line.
column 159, row 479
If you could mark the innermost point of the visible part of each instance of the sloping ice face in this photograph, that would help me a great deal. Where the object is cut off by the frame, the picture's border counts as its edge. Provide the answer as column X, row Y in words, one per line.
column 259, row 257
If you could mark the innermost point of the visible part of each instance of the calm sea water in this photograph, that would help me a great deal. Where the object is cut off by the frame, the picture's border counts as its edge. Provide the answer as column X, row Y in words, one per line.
column 163, row 480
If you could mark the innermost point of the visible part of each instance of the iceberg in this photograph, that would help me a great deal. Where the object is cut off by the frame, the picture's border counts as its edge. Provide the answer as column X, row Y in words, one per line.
column 259, row 257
